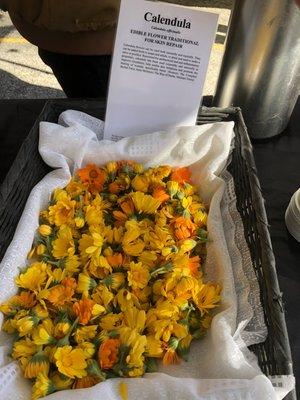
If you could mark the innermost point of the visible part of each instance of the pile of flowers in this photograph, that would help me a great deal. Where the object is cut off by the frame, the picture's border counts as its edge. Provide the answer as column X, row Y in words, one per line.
column 114, row 280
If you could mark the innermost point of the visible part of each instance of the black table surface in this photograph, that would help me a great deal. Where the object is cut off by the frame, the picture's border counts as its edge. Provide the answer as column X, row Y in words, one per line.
column 278, row 165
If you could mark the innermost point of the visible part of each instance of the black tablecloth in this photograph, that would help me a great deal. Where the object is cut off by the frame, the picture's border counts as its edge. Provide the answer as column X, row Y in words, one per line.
column 278, row 165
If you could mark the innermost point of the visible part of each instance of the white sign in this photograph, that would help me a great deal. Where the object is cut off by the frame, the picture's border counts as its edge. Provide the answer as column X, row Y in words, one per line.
column 159, row 66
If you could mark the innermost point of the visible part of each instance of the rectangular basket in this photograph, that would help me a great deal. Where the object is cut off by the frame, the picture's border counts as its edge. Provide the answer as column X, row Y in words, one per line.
column 274, row 354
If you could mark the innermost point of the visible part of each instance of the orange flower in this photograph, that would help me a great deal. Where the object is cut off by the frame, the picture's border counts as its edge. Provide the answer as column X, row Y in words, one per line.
column 93, row 176
column 115, row 187
column 184, row 228
column 69, row 283
column 160, row 194
column 83, row 309
column 194, row 265
column 181, row 175
column 25, row 299
column 85, row 382
column 127, row 207
column 60, row 294
column 171, row 357
column 108, row 353
column 115, row 260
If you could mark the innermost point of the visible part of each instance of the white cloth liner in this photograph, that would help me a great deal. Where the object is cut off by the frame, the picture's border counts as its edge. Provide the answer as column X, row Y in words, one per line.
column 220, row 366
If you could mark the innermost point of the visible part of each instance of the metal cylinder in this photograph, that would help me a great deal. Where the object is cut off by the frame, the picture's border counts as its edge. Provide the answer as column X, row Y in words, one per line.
column 261, row 66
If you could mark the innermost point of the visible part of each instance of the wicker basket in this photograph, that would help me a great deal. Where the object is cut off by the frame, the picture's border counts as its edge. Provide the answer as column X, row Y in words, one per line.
column 274, row 354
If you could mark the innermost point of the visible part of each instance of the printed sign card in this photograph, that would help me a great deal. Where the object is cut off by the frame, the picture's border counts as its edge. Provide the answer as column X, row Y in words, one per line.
column 159, row 66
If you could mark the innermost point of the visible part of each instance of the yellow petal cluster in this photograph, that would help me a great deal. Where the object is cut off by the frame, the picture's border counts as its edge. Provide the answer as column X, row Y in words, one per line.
column 114, row 280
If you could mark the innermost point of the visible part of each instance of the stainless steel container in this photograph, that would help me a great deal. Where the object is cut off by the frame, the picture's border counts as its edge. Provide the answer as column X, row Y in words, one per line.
column 261, row 66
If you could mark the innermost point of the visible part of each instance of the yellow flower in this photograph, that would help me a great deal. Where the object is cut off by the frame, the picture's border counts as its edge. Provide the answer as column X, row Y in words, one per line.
column 85, row 283
column 43, row 334
column 138, row 275
column 140, row 183
column 187, row 245
column 25, row 325
column 114, row 281
column 71, row 363
column 24, row 348
column 111, row 321
column 72, row 264
column 61, row 382
column 154, row 347
column 62, row 213
column 113, row 235
column 41, row 249
column 90, row 245
column 144, row 203
column 61, row 329
column 8, row 327
column 102, row 295
column 85, row 333
column 42, row 387
column 97, row 310
column 79, row 221
column 125, row 299
column 200, row 217
column 64, row 245
column 173, row 188
column 99, row 267
column 75, row 188
column 207, row 297
column 111, row 167
column 148, row 258
column 45, row 230
column 88, row 349
column 137, row 343
column 34, row 277
column 38, row 364
column 134, row 318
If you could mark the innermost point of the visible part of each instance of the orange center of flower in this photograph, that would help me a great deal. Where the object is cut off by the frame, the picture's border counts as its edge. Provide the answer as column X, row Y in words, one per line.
column 93, row 174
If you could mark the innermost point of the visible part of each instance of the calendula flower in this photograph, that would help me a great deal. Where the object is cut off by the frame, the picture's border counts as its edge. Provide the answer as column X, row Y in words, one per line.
column 8, row 327
column 71, row 362
column 43, row 333
column 111, row 321
column 207, row 297
column 60, row 295
column 64, row 245
column 37, row 364
column 181, row 175
column 93, row 177
column 85, row 283
column 173, row 188
column 42, row 387
column 34, row 277
column 115, row 260
column 112, row 167
column 127, row 207
column 102, row 295
column 45, row 230
column 154, row 347
column 41, row 249
column 140, row 183
column 83, row 310
column 72, row 264
column 108, row 353
column 184, row 228
column 61, row 382
column 62, row 213
column 171, row 357
column 194, row 263
column 24, row 348
column 26, row 324
column 160, row 194
column 90, row 245
column 135, row 319
column 75, row 188
column 85, row 333
column 25, row 300
column 88, row 349
column 114, row 281
column 200, row 217
column 144, row 203
column 61, row 329
column 138, row 275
